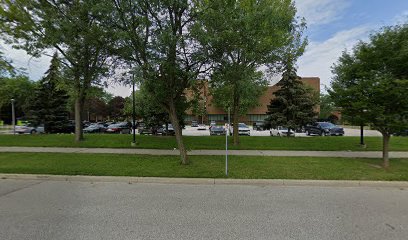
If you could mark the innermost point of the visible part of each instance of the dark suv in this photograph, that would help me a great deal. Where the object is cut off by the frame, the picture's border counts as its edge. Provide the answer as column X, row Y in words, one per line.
column 324, row 129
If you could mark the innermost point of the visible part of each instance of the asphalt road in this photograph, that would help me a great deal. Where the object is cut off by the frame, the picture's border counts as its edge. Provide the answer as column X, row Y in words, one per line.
column 84, row 210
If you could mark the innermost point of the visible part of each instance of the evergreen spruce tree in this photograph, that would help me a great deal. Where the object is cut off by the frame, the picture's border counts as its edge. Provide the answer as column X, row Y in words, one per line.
column 294, row 103
column 49, row 102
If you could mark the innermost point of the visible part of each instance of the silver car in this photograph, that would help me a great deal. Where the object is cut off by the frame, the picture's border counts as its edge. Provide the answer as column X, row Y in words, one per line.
column 30, row 129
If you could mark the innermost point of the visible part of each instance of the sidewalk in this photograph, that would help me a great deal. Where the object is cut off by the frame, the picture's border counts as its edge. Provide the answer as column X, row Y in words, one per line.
column 344, row 154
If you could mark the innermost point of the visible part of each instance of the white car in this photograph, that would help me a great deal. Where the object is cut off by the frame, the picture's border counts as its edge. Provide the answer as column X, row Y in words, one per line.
column 243, row 129
column 281, row 131
column 30, row 129
column 201, row 127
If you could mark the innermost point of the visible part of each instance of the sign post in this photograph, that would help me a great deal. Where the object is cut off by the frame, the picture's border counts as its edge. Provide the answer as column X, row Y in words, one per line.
column 226, row 143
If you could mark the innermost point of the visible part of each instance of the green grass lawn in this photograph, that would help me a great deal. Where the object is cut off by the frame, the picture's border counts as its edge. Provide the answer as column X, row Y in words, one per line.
column 205, row 142
column 203, row 166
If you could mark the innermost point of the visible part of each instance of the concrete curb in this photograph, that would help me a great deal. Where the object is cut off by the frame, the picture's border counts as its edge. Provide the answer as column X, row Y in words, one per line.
column 209, row 181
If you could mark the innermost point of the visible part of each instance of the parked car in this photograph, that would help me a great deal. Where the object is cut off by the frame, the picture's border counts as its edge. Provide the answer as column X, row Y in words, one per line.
column 194, row 123
column 217, row 130
column 169, row 130
column 243, row 129
column 95, row 128
column 67, row 127
column 212, row 123
column 258, row 126
column 30, row 129
column 281, row 131
column 324, row 129
column 202, row 127
column 122, row 128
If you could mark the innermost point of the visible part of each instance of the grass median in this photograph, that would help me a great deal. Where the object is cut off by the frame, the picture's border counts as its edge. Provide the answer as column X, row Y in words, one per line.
column 242, row 167
column 205, row 142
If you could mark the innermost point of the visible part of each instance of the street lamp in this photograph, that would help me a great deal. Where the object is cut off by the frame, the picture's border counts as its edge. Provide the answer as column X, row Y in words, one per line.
column 13, row 116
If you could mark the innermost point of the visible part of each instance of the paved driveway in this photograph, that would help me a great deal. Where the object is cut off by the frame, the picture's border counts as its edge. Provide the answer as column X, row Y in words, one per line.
column 54, row 210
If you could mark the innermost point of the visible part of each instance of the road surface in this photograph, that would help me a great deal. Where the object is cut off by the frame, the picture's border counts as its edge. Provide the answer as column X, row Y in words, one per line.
column 41, row 210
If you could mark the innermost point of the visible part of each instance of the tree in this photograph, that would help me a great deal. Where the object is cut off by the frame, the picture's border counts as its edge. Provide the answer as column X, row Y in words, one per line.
column 152, row 112
column 240, row 38
column 72, row 28
column 5, row 66
column 19, row 88
column 326, row 106
column 294, row 103
column 155, row 37
column 49, row 102
column 370, row 83
column 116, row 108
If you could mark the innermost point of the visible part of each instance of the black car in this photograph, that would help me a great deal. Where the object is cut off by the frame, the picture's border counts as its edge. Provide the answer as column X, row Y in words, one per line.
column 402, row 133
column 122, row 128
column 217, row 130
column 95, row 128
column 324, row 129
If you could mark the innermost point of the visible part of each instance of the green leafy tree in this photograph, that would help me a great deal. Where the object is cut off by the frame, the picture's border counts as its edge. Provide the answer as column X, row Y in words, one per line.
column 294, row 103
column 240, row 37
column 326, row 106
column 116, row 108
column 49, row 102
column 370, row 83
column 5, row 66
column 152, row 113
column 73, row 28
column 19, row 88
column 155, row 37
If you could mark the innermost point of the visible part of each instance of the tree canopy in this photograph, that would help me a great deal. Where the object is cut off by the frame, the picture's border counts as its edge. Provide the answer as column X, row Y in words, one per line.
column 73, row 28
column 370, row 83
column 240, row 38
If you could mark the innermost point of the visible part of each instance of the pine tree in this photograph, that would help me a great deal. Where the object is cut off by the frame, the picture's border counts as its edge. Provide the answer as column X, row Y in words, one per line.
column 294, row 103
column 49, row 102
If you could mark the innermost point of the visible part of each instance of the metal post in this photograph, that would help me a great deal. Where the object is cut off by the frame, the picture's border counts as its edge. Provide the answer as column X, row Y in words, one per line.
column 13, row 116
column 362, row 135
column 133, row 111
column 226, row 144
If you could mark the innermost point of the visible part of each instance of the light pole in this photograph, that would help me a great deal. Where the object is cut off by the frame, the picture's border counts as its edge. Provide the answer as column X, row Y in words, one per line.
column 13, row 116
column 133, row 111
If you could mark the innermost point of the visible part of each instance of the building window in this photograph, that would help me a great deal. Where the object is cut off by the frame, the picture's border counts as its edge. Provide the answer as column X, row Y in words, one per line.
column 217, row 117
column 257, row 117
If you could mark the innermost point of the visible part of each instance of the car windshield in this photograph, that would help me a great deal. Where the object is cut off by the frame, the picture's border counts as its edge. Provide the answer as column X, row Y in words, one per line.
column 327, row 125
column 242, row 125
column 217, row 128
column 283, row 128
column 114, row 125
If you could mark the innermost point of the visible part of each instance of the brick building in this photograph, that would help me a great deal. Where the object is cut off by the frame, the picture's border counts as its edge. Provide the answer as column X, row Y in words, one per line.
column 258, row 113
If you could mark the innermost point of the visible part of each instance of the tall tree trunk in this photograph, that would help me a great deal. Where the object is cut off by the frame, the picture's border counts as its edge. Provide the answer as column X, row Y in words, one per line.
column 235, row 126
column 386, row 142
column 177, row 130
column 79, row 105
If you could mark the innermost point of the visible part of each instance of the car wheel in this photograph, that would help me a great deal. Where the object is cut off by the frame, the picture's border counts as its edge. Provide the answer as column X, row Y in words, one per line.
column 33, row 132
column 271, row 134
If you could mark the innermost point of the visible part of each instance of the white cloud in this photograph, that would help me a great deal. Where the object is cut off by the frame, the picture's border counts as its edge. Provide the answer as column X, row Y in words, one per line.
column 401, row 18
column 319, row 57
column 320, row 12
column 34, row 67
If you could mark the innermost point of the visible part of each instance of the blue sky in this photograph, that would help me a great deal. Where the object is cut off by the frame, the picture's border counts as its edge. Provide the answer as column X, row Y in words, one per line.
column 333, row 25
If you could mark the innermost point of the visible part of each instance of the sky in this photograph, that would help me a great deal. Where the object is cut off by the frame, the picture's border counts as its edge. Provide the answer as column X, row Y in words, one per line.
column 332, row 27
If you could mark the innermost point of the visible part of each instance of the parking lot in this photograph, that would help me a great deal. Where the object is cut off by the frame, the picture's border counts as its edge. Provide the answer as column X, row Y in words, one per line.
column 192, row 131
